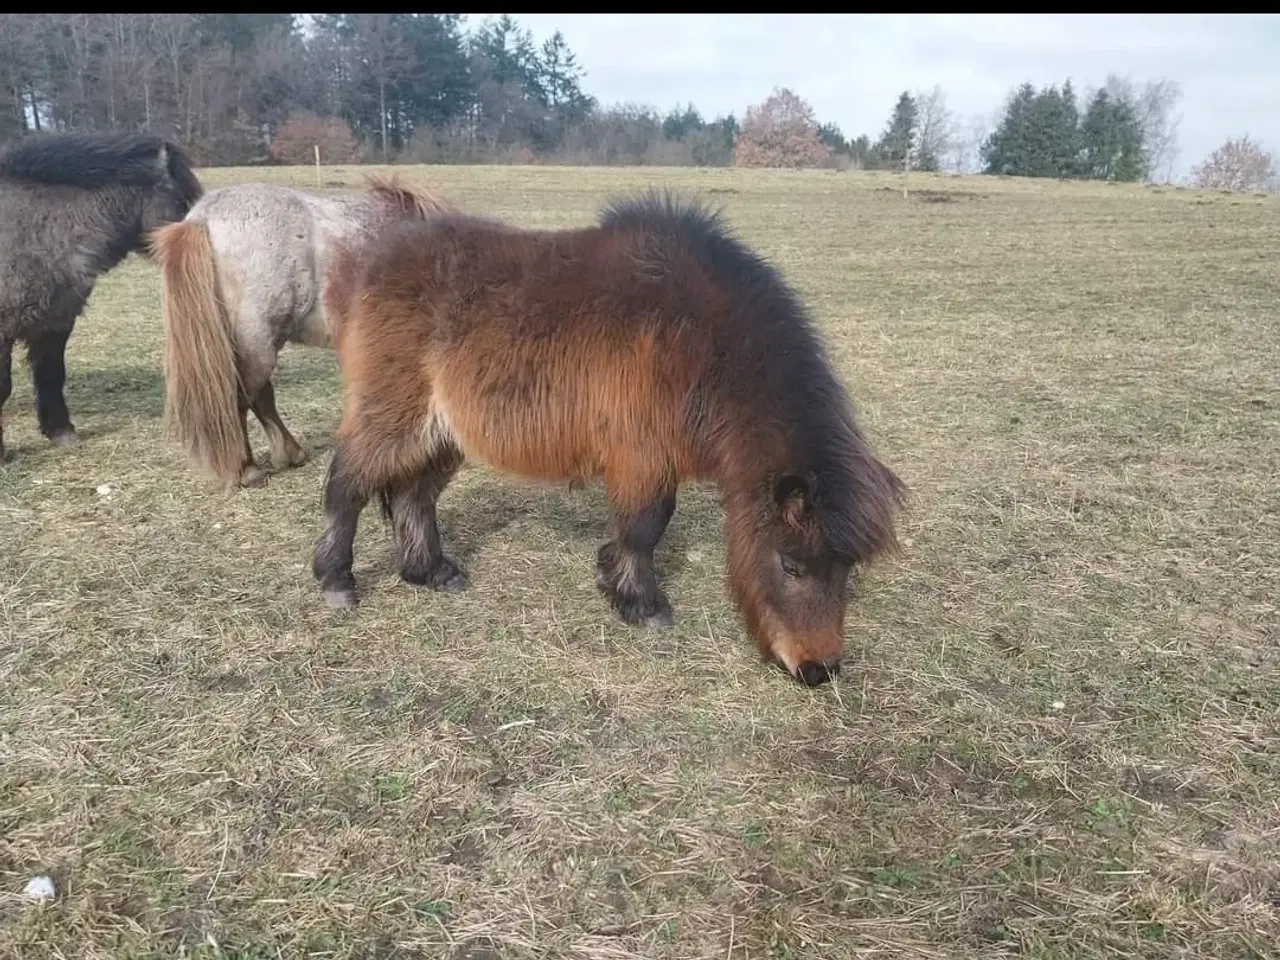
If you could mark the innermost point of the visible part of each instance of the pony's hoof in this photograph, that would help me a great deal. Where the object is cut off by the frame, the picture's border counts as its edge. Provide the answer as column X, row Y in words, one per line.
column 444, row 574
column 295, row 457
column 340, row 598
column 456, row 583
column 643, row 611
column 253, row 476
column 662, row 620
column 64, row 438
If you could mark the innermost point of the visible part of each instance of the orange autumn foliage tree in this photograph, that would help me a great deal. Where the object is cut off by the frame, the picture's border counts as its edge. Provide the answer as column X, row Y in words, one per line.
column 302, row 132
column 781, row 132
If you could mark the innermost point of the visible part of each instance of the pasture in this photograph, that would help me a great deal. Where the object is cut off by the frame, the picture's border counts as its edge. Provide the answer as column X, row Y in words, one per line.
column 1057, row 733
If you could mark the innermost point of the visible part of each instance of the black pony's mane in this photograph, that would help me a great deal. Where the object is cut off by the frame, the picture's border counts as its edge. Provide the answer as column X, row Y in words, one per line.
column 93, row 160
column 663, row 210
column 781, row 362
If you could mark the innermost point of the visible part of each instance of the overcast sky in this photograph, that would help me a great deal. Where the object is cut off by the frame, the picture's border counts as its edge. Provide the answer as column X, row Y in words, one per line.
column 851, row 68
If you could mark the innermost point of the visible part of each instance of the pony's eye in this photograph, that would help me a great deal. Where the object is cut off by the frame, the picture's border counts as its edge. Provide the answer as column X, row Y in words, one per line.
column 790, row 567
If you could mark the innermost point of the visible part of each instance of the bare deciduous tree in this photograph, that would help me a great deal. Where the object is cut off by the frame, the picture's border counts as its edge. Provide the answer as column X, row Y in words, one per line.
column 176, row 33
column 21, row 59
column 935, row 128
column 382, row 53
column 965, row 151
column 1236, row 165
column 1153, row 104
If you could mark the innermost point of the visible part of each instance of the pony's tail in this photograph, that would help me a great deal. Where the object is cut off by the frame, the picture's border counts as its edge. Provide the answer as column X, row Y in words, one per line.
column 202, row 380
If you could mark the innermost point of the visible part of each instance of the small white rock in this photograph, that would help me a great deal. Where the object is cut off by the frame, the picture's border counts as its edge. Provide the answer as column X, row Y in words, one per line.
column 1057, row 704
column 41, row 888
column 104, row 490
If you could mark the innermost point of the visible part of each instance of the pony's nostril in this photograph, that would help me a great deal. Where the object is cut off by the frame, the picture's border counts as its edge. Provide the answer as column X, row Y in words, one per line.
column 812, row 673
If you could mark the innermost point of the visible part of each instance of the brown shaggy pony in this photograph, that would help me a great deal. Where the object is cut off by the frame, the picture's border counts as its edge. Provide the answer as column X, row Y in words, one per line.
column 650, row 349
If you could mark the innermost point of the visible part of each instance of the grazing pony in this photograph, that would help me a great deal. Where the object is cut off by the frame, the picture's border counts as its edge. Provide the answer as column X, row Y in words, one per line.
column 241, row 276
column 649, row 349
column 72, row 206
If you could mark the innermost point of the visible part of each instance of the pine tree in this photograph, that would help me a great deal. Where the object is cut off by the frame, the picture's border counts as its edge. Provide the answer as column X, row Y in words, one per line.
column 1111, row 136
column 891, row 150
column 1005, row 150
column 1066, row 152
column 1038, row 136
column 829, row 133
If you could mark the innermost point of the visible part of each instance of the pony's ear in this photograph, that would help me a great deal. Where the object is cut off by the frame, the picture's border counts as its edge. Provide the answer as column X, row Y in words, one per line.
column 793, row 495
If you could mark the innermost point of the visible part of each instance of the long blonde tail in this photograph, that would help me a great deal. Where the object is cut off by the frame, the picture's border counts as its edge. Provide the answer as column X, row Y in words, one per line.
column 202, row 381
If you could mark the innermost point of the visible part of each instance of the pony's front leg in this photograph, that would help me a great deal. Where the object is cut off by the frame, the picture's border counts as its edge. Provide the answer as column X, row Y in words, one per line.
column 47, row 356
column 334, row 553
column 412, row 505
column 624, row 567
column 6, row 384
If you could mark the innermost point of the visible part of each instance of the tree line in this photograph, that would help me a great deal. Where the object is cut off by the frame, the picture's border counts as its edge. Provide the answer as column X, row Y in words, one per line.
column 260, row 88
column 380, row 87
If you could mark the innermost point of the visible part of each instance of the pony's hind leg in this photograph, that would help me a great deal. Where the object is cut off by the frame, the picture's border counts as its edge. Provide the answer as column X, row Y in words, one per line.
column 624, row 567
column 412, row 506
column 251, row 475
column 334, row 554
column 285, row 450
column 6, row 384
column 47, row 356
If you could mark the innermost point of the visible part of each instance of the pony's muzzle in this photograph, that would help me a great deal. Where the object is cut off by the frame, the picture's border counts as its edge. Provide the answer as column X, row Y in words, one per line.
column 812, row 673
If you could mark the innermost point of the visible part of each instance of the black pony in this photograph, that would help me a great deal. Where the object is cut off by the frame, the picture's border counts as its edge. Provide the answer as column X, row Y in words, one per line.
column 72, row 206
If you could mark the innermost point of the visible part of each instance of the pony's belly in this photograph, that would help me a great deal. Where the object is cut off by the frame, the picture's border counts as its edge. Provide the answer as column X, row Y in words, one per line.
column 526, row 449
column 313, row 330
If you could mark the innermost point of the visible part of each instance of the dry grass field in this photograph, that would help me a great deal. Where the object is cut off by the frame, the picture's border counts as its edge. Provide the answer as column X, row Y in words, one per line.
column 1058, row 729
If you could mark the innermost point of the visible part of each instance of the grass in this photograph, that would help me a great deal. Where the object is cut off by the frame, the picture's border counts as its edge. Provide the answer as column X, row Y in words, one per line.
column 1056, row 736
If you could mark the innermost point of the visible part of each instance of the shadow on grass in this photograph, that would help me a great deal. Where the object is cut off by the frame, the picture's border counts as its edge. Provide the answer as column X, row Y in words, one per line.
column 491, row 512
column 120, row 392
column 488, row 508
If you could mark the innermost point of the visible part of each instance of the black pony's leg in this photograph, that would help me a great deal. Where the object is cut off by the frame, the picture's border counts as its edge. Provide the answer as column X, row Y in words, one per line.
column 46, row 354
column 412, row 506
column 6, row 384
column 334, row 553
column 624, row 567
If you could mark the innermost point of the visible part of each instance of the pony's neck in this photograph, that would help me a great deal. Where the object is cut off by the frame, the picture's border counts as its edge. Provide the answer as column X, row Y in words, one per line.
column 119, row 213
column 747, row 472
